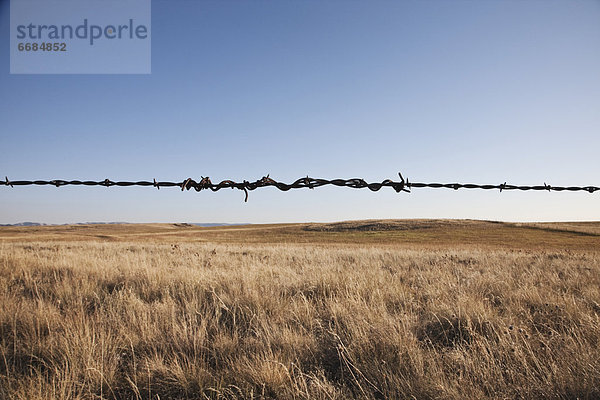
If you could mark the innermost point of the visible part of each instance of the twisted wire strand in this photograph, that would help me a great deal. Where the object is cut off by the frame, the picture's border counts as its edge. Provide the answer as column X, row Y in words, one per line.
column 403, row 185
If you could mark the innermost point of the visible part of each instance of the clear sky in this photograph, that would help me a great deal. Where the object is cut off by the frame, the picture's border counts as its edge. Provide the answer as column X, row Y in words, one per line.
column 467, row 91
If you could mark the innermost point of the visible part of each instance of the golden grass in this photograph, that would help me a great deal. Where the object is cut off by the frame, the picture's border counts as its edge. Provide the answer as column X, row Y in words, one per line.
column 150, row 314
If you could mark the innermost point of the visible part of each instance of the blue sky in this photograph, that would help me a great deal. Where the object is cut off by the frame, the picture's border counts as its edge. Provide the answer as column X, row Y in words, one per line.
column 481, row 92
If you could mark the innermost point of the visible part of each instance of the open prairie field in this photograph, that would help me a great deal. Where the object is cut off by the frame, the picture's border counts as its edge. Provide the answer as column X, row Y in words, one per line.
column 415, row 309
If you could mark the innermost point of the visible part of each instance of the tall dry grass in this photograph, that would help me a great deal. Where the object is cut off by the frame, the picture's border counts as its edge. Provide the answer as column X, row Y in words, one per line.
column 148, row 321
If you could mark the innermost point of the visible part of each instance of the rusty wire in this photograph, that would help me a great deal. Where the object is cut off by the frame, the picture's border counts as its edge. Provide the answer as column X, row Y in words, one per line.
column 404, row 185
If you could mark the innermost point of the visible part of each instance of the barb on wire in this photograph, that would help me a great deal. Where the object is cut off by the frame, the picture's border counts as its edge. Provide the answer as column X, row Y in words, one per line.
column 403, row 185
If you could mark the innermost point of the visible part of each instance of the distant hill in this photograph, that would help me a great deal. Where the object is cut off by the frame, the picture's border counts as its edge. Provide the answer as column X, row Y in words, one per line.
column 411, row 234
column 202, row 224
column 24, row 224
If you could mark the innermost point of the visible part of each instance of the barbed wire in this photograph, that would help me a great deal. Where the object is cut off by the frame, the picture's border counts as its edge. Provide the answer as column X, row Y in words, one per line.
column 404, row 185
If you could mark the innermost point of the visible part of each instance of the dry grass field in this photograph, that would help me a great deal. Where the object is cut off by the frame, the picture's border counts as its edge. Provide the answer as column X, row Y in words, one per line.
column 420, row 309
